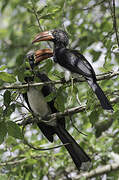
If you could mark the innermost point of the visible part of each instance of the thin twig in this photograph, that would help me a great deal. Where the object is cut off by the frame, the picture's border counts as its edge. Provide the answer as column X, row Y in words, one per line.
column 67, row 112
column 76, row 127
column 22, row 105
column 36, row 15
column 63, row 14
column 37, row 148
column 22, row 86
column 115, row 23
column 98, row 171
column 14, row 161
column 80, row 79
column 91, row 7
column 107, row 36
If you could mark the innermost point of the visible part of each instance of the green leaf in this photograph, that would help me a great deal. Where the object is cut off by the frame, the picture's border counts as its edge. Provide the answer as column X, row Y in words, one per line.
column 106, row 25
column 4, row 4
column 20, row 59
column 12, row 107
column 3, row 177
column 95, row 54
column 60, row 99
column 93, row 117
column 3, row 131
column 39, row 12
column 29, row 9
column 54, row 9
column 47, row 16
column 50, row 97
column 28, row 175
column 114, row 47
column 48, row 65
column 7, row 98
column 9, row 110
column 20, row 75
column 14, row 130
column 3, row 33
column 108, row 66
column 7, row 77
column 3, row 67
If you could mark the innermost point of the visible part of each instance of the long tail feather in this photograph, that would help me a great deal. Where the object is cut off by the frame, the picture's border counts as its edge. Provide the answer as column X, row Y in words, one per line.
column 100, row 94
column 76, row 152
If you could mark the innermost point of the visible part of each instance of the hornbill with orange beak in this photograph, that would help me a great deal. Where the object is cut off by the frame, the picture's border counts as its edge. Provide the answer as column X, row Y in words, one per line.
column 73, row 61
column 37, row 103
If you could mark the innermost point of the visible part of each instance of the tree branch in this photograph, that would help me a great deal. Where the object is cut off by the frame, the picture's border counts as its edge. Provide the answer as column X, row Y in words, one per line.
column 99, row 77
column 21, row 86
column 36, row 15
column 112, row 9
column 115, row 23
column 94, row 5
column 54, row 116
column 14, row 161
column 39, row 148
column 99, row 171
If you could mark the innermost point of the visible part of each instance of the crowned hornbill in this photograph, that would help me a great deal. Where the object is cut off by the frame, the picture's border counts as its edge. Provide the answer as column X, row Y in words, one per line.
column 37, row 103
column 73, row 61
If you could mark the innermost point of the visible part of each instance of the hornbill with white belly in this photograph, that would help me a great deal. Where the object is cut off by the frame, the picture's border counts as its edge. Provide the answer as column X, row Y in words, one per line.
column 37, row 103
column 74, row 61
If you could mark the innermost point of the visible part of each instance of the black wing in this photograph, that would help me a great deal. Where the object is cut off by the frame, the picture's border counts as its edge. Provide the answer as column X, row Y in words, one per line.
column 75, row 62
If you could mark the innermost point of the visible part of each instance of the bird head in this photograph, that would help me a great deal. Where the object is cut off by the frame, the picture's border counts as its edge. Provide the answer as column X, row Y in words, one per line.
column 42, row 54
column 36, row 57
column 57, row 36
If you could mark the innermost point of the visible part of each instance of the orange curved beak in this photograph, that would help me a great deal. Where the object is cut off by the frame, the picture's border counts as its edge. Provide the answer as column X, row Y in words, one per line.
column 42, row 54
column 43, row 36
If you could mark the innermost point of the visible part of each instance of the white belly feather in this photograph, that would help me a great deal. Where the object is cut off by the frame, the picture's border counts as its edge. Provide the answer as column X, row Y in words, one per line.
column 37, row 102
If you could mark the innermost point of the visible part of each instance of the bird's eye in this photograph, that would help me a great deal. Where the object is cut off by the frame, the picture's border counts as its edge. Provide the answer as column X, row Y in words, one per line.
column 54, row 33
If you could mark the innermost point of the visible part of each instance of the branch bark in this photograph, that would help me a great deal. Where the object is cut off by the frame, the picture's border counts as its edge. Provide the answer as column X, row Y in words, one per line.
column 99, row 77
column 18, row 161
column 22, row 86
column 112, row 9
column 115, row 23
column 52, row 117
column 93, row 6
column 37, row 19
column 99, row 171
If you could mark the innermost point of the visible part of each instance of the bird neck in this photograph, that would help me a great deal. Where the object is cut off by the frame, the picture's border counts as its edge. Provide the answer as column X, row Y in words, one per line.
column 59, row 45
column 57, row 48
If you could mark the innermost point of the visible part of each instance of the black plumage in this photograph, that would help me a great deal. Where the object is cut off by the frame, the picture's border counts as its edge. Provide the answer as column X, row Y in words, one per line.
column 74, row 61
column 76, row 152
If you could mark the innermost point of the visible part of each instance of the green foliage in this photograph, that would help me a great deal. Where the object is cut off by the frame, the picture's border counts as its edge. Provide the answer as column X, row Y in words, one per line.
column 7, row 98
column 93, row 117
column 14, row 130
column 3, row 131
column 7, row 77
column 60, row 99
column 90, row 28
column 11, row 128
column 95, row 54
column 3, row 177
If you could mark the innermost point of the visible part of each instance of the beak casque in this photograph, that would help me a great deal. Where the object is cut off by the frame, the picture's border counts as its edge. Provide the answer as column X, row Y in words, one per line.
column 42, row 54
column 43, row 36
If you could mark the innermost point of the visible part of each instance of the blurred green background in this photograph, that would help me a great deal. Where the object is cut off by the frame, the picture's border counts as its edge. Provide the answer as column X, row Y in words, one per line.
column 90, row 28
